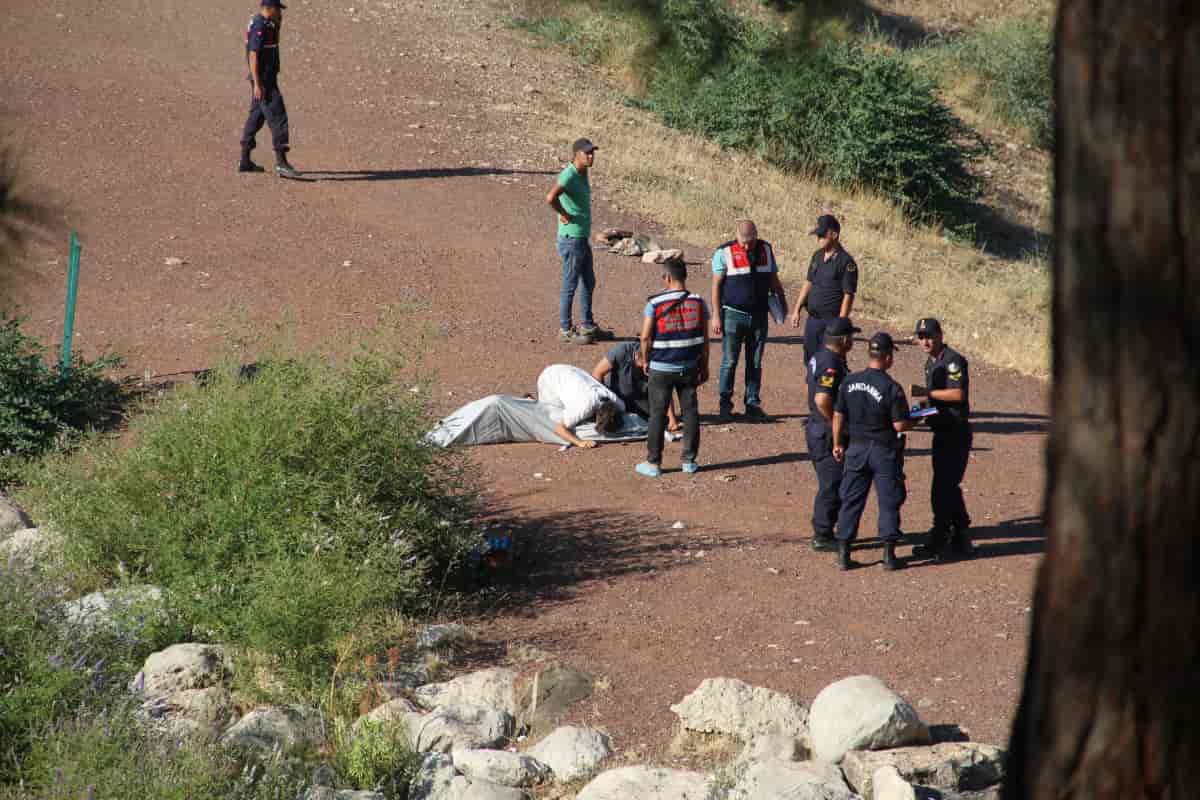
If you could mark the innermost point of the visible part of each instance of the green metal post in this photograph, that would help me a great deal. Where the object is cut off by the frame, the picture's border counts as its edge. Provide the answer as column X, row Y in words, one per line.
column 72, row 292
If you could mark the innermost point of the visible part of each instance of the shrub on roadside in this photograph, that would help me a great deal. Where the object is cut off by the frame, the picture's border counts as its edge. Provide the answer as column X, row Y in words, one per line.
column 40, row 402
column 278, row 512
column 377, row 756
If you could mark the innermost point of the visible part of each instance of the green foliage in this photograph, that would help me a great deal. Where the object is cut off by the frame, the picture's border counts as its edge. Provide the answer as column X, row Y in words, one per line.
column 1014, row 61
column 106, row 754
column 20, row 215
column 376, row 756
column 40, row 403
column 278, row 512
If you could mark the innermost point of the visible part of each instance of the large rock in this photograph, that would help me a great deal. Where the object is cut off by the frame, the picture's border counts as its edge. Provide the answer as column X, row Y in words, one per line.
column 436, row 779
column 359, row 794
column 772, row 747
column 483, row 790
column 862, row 713
column 397, row 710
column 572, row 753
column 30, row 548
column 501, row 767
column 646, row 783
column 288, row 729
column 951, row 766
column 729, row 706
column 12, row 518
column 191, row 665
column 460, row 727
column 626, row 247
column 496, row 688
column 435, row 636
column 119, row 610
column 196, row 714
column 888, row 785
column 554, row 690
column 805, row 780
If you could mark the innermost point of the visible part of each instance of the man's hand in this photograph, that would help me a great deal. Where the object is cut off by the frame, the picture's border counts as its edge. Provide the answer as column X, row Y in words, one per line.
column 916, row 390
column 796, row 317
column 565, row 219
column 716, row 327
column 586, row 444
column 258, row 92
column 839, row 453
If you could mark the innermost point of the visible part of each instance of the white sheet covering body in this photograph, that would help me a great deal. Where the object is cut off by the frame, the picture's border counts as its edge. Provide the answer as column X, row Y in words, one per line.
column 501, row 418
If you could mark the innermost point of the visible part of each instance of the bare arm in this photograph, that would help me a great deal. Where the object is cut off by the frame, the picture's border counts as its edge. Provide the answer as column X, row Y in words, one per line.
column 800, row 302
column 704, row 354
column 553, row 201
column 601, row 370
column 847, row 304
column 717, row 282
column 646, row 337
column 824, row 404
column 902, row 425
column 839, row 422
column 947, row 395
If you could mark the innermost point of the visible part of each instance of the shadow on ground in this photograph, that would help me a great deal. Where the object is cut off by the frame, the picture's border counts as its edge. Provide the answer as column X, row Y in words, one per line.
column 1000, row 422
column 414, row 174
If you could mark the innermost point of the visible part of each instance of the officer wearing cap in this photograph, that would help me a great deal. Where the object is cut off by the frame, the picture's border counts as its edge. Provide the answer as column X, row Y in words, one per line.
column 826, row 369
column 266, row 101
column 948, row 387
column 873, row 412
column 829, row 289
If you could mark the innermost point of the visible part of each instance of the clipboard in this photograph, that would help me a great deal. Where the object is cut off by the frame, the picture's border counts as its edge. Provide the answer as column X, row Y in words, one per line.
column 918, row 413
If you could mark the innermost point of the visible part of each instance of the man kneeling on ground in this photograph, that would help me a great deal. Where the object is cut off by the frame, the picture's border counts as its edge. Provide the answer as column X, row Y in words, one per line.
column 624, row 372
column 581, row 397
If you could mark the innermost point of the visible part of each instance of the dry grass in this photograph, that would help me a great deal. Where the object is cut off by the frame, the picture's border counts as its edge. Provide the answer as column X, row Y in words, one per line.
column 992, row 308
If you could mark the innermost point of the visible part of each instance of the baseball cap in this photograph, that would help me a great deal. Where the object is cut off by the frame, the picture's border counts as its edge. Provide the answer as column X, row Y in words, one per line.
column 928, row 326
column 272, row 4
column 825, row 224
column 583, row 146
column 881, row 345
column 841, row 327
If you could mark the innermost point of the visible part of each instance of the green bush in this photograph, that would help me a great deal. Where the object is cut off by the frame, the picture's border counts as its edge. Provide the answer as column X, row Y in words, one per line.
column 1015, row 63
column 279, row 512
column 41, row 403
column 377, row 756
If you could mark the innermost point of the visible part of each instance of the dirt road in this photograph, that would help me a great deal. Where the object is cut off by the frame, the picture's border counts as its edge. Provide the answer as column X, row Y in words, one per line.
column 416, row 116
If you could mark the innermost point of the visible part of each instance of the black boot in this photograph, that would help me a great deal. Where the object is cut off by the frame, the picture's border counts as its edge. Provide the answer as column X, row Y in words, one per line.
column 960, row 542
column 283, row 168
column 823, row 543
column 246, row 165
column 844, row 561
column 935, row 545
column 891, row 562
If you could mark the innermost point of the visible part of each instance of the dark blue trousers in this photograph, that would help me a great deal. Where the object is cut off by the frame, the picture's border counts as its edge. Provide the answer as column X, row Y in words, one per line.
column 951, row 452
column 814, row 336
column 818, row 435
column 868, row 462
column 273, row 112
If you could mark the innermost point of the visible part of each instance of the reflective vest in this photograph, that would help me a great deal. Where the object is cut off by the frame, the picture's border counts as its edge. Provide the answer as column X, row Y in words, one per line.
column 678, row 328
column 746, row 283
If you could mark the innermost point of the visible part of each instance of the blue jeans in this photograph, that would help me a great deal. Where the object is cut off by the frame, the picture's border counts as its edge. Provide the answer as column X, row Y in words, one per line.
column 750, row 331
column 576, row 257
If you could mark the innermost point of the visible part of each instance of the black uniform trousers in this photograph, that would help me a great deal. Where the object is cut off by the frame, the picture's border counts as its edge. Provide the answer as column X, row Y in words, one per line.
column 868, row 461
column 270, row 110
column 818, row 435
column 661, row 385
column 951, row 451
column 814, row 335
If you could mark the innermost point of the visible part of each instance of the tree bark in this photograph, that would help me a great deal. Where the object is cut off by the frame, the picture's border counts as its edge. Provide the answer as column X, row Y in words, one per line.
column 1110, row 706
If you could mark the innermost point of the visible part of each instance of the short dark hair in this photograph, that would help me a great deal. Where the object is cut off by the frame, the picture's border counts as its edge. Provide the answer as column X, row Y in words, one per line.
column 608, row 417
column 677, row 270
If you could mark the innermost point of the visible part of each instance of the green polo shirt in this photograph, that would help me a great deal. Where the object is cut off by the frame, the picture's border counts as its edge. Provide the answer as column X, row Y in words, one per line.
column 576, row 200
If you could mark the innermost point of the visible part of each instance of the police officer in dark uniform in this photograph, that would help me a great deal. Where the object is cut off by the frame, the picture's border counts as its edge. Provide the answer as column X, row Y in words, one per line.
column 873, row 411
column 948, row 388
column 826, row 369
column 829, row 288
column 266, row 101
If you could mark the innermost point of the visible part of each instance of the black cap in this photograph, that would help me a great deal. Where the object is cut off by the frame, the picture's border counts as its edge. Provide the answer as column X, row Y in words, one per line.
column 583, row 146
column 841, row 327
column 825, row 224
column 881, row 345
column 272, row 4
column 928, row 326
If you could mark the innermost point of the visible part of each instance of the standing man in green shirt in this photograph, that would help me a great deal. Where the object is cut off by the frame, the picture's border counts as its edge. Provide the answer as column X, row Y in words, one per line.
column 571, row 199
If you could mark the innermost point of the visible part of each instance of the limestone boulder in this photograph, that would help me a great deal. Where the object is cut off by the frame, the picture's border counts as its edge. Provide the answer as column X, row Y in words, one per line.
column 124, row 609
column 195, row 714
column 803, row 780
column 949, row 766
column 553, row 691
column 572, row 753
column 646, row 783
column 191, row 665
column 12, row 518
column 396, row 711
column 862, row 713
column 501, row 767
column 460, row 727
column 436, row 779
column 662, row 256
column 772, row 747
column 287, row 729
column 435, row 636
column 735, row 708
column 887, row 784
column 496, row 688
column 31, row 548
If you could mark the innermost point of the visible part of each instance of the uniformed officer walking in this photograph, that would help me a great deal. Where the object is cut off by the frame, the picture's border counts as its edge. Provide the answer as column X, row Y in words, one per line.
column 266, row 101
column 873, row 412
column 826, row 369
column 829, row 289
column 948, row 387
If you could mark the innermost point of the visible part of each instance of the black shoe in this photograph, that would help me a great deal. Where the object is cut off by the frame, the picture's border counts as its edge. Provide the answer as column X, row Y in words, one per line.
column 246, row 165
column 725, row 414
column 935, row 545
column 960, row 545
column 824, row 544
column 755, row 413
column 891, row 562
column 284, row 169
column 844, row 561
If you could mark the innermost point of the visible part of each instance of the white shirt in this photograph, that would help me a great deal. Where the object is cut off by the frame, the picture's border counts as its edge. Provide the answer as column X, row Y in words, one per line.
column 576, row 392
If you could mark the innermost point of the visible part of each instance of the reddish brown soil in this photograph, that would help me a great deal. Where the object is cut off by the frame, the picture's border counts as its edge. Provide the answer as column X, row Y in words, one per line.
column 130, row 115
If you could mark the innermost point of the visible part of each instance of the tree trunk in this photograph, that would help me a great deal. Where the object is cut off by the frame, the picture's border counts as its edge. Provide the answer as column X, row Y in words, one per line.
column 1111, row 706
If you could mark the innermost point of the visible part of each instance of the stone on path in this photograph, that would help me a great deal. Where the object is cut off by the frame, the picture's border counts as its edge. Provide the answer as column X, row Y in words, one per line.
column 554, row 690
column 646, row 783
column 888, row 785
column 572, row 753
column 735, row 708
column 662, row 256
column 804, row 780
column 772, row 747
column 626, row 247
column 460, row 727
column 861, row 713
column 496, row 688
column 286, row 728
column 952, row 766
column 501, row 767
